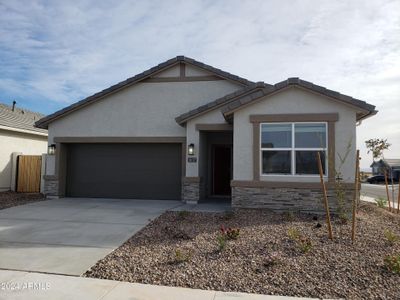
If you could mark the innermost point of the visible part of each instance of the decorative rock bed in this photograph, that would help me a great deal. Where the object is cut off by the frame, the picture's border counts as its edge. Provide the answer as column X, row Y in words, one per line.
column 10, row 199
column 269, row 257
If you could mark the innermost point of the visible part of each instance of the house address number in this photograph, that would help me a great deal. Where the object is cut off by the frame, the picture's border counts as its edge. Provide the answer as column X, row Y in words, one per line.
column 192, row 159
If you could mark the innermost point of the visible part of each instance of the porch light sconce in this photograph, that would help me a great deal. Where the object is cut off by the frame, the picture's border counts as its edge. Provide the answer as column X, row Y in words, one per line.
column 51, row 150
column 191, row 149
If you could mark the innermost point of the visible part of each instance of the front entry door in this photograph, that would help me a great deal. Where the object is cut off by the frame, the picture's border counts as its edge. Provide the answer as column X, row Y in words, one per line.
column 221, row 175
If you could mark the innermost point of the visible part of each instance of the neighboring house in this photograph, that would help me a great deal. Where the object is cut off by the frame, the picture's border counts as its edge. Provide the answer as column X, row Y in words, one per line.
column 391, row 165
column 185, row 130
column 18, row 134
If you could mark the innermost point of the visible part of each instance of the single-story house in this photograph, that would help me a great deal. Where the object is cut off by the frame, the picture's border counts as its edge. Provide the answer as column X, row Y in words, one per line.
column 18, row 135
column 389, row 164
column 186, row 130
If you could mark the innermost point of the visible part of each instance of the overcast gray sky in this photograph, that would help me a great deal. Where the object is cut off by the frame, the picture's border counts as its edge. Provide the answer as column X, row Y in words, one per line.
column 53, row 53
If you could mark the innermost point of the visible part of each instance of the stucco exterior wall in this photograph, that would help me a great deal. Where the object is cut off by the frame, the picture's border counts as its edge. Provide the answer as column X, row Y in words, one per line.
column 17, row 142
column 293, row 101
column 146, row 109
column 143, row 110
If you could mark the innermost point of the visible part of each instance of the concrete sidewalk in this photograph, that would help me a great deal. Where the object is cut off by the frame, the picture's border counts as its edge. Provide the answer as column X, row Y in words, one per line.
column 23, row 285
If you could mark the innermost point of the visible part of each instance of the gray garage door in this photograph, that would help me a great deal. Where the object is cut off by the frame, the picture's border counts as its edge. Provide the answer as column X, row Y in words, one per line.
column 141, row 171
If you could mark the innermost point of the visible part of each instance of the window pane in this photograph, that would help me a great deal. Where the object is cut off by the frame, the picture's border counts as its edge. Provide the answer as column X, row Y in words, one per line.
column 276, row 135
column 310, row 135
column 307, row 163
column 276, row 162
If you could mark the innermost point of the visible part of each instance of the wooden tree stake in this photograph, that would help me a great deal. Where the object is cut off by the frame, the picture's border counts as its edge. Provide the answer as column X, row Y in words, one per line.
column 398, row 198
column 387, row 191
column 356, row 182
column 321, row 176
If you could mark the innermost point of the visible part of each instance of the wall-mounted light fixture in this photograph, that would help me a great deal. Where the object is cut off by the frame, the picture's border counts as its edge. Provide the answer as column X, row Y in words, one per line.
column 191, row 149
column 51, row 150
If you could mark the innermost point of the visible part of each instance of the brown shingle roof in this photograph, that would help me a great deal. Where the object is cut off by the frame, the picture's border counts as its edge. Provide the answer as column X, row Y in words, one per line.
column 244, row 92
column 232, row 106
column 43, row 123
column 20, row 118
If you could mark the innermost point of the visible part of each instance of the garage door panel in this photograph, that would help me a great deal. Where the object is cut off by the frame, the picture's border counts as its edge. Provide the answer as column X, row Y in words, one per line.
column 145, row 171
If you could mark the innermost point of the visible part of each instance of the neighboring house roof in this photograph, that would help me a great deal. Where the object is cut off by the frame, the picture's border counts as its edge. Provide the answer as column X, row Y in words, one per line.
column 391, row 162
column 43, row 123
column 21, row 120
column 232, row 102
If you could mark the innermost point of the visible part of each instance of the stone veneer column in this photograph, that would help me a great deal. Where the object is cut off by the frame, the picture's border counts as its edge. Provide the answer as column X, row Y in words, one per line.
column 50, row 186
column 191, row 189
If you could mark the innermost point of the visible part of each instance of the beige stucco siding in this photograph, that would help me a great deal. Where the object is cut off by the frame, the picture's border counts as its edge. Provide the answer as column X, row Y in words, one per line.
column 144, row 110
column 10, row 142
column 292, row 101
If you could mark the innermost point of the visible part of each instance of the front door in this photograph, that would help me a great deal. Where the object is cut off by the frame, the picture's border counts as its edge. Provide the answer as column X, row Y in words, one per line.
column 221, row 174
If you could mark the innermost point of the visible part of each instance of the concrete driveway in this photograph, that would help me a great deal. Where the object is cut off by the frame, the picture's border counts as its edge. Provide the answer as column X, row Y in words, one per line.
column 69, row 235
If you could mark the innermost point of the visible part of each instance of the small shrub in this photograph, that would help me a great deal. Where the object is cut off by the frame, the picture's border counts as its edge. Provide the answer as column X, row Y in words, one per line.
column 230, row 233
column 182, row 256
column 228, row 215
column 381, row 202
column 293, row 233
column 183, row 214
column 221, row 240
column 272, row 259
column 304, row 244
column 392, row 263
column 288, row 216
column 391, row 236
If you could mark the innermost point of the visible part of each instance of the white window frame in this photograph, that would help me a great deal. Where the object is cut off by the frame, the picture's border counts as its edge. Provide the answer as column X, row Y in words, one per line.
column 293, row 150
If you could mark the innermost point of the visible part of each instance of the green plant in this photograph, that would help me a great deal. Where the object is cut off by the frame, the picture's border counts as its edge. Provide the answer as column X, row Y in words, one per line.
column 183, row 214
column 182, row 256
column 381, row 202
column 293, row 233
column 392, row 263
column 302, row 242
column 391, row 236
column 340, row 191
column 288, row 216
column 221, row 240
column 230, row 233
column 376, row 147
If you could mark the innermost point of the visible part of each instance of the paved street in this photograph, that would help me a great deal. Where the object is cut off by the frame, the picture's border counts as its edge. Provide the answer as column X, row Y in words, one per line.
column 378, row 190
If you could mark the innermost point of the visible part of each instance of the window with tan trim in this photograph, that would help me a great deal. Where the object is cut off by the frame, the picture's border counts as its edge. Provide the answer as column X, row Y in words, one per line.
column 291, row 148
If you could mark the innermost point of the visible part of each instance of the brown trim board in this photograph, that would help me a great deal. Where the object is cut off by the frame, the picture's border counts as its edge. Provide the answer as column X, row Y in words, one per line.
column 102, row 139
column 330, row 118
column 214, row 127
column 184, row 79
column 191, row 179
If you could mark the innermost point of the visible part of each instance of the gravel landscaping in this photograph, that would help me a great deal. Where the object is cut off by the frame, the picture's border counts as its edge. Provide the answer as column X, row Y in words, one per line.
column 10, row 199
column 280, row 254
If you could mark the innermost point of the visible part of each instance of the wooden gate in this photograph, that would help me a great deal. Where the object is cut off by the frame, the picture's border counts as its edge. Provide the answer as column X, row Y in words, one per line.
column 28, row 176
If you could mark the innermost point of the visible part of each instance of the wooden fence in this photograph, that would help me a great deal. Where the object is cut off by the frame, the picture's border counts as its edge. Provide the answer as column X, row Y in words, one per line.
column 29, row 171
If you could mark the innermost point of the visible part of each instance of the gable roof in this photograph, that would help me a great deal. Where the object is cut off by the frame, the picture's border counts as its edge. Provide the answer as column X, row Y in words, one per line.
column 248, row 91
column 20, row 120
column 43, row 123
column 232, row 102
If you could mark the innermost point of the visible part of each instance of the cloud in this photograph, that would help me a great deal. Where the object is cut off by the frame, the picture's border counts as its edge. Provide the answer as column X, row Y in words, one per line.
column 53, row 53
